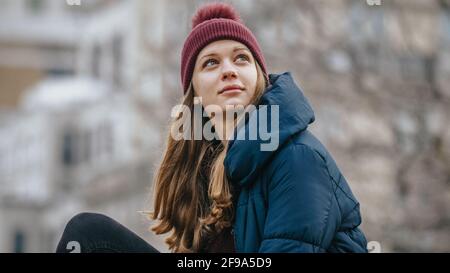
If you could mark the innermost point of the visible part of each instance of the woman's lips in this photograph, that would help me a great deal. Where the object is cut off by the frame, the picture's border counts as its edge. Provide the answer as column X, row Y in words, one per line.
column 231, row 92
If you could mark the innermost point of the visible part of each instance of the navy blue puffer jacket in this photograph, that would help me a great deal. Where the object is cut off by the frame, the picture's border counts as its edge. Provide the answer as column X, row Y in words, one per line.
column 292, row 199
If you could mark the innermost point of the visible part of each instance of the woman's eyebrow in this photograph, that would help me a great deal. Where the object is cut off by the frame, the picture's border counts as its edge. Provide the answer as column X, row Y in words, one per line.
column 234, row 50
column 240, row 48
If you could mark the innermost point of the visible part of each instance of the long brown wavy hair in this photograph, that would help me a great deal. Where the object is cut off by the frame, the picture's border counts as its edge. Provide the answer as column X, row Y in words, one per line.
column 192, row 196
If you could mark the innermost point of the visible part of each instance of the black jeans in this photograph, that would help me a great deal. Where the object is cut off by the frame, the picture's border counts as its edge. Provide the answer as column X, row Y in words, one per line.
column 97, row 233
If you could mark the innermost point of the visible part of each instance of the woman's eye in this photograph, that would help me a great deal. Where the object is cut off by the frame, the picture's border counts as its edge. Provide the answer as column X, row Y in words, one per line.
column 244, row 57
column 241, row 57
column 210, row 61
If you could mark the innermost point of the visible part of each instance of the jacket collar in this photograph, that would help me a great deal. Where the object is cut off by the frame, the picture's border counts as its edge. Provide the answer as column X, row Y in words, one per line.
column 245, row 159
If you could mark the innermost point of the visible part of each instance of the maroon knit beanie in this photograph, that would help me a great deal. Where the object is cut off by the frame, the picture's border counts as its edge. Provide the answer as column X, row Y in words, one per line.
column 213, row 22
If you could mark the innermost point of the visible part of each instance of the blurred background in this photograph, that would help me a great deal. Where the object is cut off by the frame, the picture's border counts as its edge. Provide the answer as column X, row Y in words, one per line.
column 86, row 92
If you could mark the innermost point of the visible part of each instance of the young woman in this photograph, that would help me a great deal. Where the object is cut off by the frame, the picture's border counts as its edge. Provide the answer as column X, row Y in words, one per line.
column 230, row 195
column 278, row 191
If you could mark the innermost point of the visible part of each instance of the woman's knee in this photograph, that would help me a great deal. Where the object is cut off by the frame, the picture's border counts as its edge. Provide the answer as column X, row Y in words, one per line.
column 88, row 223
column 96, row 232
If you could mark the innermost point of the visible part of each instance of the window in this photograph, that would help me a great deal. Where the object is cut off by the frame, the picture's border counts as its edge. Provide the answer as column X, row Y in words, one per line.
column 96, row 59
column 35, row 6
column 445, row 28
column 59, row 72
column 117, row 49
column 19, row 242
column 87, row 146
column 106, row 138
column 109, row 139
column 69, row 150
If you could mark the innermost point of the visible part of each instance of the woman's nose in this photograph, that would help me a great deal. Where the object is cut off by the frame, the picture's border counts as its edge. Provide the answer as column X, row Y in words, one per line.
column 228, row 71
column 229, row 75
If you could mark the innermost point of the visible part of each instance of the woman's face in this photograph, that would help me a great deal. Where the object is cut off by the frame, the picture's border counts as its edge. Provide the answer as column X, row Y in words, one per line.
column 221, row 65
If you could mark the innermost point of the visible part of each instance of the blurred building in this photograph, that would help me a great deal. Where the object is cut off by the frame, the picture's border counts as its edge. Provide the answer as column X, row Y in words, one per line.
column 72, row 138
column 37, row 38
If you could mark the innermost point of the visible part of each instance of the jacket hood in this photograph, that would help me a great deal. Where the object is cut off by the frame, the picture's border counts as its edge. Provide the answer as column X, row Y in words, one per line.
column 245, row 158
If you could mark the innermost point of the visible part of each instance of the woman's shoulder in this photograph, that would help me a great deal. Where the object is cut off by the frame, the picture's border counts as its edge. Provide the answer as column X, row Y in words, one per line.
column 303, row 163
column 305, row 148
column 303, row 141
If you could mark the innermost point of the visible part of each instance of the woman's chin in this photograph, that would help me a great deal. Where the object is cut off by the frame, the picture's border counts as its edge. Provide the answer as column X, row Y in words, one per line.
column 233, row 102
